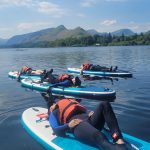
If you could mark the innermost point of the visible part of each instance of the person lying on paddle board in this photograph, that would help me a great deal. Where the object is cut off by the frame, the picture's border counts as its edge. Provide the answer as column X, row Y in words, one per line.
column 29, row 70
column 26, row 70
column 88, row 66
column 62, row 80
column 68, row 115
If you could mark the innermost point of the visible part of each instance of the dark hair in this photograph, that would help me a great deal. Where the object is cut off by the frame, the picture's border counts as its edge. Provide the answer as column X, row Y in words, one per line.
column 77, row 81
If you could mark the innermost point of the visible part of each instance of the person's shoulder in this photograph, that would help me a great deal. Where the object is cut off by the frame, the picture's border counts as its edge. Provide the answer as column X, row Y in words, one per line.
column 55, row 112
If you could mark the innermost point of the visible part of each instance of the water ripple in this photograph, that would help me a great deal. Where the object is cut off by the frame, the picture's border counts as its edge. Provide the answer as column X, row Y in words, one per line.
column 132, row 104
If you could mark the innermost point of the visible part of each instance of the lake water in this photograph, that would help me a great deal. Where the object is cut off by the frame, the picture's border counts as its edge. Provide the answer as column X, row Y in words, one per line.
column 132, row 104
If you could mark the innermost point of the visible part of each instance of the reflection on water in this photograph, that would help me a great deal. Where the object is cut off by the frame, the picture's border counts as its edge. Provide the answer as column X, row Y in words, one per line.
column 132, row 104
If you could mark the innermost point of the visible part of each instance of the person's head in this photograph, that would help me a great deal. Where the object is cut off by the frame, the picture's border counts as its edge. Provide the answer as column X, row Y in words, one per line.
column 76, row 81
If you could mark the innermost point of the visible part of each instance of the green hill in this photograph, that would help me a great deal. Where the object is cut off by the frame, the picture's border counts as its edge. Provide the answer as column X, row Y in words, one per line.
column 47, row 35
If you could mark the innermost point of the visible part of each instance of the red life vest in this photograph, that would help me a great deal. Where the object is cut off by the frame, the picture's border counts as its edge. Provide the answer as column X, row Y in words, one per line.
column 63, row 77
column 67, row 107
column 25, row 68
column 86, row 66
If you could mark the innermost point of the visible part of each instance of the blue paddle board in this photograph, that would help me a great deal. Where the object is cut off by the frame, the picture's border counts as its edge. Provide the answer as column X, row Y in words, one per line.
column 91, row 92
column 117, row 73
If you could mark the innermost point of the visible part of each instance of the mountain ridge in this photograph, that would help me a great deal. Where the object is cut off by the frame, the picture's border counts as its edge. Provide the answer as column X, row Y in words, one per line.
column 49, row 34
column 126, row 32
column 61, row 32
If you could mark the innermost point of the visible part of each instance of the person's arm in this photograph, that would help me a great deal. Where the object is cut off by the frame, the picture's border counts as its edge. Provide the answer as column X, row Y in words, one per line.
column 64, row 83
column 60, row 130
column 53, row 120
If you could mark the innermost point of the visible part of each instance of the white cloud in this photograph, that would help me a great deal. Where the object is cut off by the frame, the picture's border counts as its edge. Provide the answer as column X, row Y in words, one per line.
column 88, row 3
column 139, row 27
column 41, row 6
column 136, row 27
column 108, row 22
column 9, row 3
column 4, row 29
column 30, row 26
column 22, row 28
column 50, row 8
column 6, row 32
column 81, row 15
column 91, row 3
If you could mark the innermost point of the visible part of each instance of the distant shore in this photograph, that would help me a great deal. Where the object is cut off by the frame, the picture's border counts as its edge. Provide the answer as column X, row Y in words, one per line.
column 95, row 40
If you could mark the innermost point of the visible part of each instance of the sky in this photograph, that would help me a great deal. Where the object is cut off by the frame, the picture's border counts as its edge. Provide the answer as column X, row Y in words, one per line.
column 24, row 16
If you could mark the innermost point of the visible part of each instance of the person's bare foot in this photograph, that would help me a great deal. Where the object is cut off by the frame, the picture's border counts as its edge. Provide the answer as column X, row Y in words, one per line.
column 120, row 141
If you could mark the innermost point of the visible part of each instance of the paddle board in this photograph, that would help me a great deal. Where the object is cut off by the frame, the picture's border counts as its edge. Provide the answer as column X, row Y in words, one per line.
column 35, row 121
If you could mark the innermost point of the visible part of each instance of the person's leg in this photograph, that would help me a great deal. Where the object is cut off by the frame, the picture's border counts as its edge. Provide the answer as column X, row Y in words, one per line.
column 115, row 69
column 52, row 79
column 104, row 113
column 103, row 68
column 48, row 77
column 49, row 99
column 37, row 72
column 98, row 68
column 50, row 71
column 86, row 133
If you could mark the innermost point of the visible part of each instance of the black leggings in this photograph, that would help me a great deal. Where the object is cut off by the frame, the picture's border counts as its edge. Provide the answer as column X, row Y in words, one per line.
column 88, row 131
column 99, row 68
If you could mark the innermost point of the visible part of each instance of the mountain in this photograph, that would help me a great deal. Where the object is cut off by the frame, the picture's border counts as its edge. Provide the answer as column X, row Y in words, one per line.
column 92, row 32
column 50, row 34
column 3, row 41
column 42, row 35
column 148, row 32
column 45, row 36
column 126, row 32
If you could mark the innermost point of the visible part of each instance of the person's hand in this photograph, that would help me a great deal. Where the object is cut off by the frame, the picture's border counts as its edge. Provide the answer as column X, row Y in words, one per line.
column 74, row 122
column 91, row 113
column 53, row 107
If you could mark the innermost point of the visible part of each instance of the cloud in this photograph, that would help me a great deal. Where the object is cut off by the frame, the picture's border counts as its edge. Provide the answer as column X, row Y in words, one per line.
column 22, row 28
column 88, row 3
column 41, row 6
column 139, row 27
column 4, row 29
column 10, row 3
column 50, row 8
column 81, row 15
column 6, row 32
column 108, row 22
column 134, row 26
column 91, row 3
column 29, row 26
